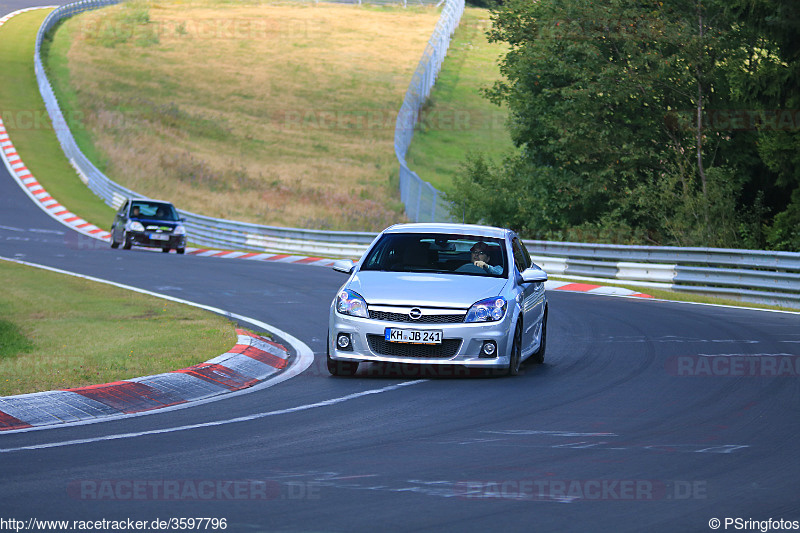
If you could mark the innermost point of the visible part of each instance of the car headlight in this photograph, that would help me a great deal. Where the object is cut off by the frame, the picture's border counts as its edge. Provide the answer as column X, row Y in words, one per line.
column 135, row 226
column 350, row 303
column 179, row 230
column 488, row 310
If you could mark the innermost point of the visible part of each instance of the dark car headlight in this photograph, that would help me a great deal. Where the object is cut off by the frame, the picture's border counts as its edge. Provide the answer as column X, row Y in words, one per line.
column 488, row 310
column 135, row 225
column 179, row 230
column 351, row 303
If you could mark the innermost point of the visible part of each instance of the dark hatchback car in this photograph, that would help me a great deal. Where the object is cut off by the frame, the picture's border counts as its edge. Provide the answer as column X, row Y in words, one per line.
column 149, row 223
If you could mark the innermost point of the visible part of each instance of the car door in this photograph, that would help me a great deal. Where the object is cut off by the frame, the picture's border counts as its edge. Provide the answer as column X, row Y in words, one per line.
column 118, row 227
column 532, row 298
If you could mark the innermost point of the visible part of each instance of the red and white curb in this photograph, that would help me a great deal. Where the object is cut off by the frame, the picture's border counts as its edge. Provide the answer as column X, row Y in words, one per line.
column 26, row 180
column 554, row 285
column 252, row 360
column 261, row 256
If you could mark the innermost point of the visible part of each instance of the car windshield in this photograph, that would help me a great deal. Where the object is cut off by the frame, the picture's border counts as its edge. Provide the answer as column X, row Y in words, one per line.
column 153, row 211
column 439, row 253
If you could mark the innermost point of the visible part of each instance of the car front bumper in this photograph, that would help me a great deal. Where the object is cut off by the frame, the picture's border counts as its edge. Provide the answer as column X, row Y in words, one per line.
column 147, row 239
column 461, row 342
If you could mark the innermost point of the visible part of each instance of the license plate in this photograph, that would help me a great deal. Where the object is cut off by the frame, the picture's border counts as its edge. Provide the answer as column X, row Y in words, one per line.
column 413, row 336
column 159, row 237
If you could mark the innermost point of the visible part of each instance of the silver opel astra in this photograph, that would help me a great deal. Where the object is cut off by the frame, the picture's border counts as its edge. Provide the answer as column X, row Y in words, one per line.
column 440, row 294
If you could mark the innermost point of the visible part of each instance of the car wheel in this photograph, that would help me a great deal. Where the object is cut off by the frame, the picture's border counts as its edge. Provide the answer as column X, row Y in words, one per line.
column 165, row 250
column 180, row 251
column 538, row 355
column 515, row 356
column 114, row 244
column 340, row 368
column 128, row 242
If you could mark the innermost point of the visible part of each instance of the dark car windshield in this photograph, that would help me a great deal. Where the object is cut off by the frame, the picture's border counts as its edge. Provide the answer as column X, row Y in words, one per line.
column 153, row 211
column 440, row 253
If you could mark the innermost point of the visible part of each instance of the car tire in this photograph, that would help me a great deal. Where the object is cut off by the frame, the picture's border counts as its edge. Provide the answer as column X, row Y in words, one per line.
column 340, row 368
column 165, row 250
column 114, row 244
column 127, row 241
column 515, row 355
column 180, row 251
column 538, row 355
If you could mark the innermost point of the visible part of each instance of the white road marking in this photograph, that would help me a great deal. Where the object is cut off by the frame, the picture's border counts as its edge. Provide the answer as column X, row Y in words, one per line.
column 549, row 433
column 248, row 418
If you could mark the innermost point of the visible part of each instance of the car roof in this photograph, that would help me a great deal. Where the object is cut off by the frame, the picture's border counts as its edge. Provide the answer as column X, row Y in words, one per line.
column 442, row 227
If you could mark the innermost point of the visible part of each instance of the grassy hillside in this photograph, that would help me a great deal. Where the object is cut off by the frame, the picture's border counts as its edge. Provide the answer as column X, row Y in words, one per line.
column 275, row 113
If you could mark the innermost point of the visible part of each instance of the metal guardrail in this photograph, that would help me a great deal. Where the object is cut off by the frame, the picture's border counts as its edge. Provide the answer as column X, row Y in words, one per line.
column 748, row 275
column 757, row 276
column 207, row 231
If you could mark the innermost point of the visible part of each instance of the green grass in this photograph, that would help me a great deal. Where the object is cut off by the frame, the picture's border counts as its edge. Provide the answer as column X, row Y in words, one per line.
column 28, row 124
column 60, row 332
column 457, row 119
column 12, row 341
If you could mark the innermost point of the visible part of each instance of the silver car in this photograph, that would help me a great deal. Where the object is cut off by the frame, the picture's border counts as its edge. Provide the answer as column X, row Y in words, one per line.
column 440, row 294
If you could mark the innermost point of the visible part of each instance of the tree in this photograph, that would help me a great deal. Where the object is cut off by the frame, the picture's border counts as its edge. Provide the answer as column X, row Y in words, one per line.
column 620, row 100
column 770, row 87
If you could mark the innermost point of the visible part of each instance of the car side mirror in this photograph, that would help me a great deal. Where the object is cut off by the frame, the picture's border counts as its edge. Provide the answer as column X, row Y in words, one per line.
column 534, row 275
column 344, row 265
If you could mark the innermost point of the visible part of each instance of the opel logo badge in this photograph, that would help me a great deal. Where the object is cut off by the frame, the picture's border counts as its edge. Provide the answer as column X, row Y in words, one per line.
column 415, row 314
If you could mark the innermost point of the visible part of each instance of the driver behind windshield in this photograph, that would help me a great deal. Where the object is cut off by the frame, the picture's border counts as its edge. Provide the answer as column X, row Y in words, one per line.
column 480, row 258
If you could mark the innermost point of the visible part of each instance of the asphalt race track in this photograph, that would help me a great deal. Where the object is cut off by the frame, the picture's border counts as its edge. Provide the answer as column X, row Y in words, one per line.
column 646, row 416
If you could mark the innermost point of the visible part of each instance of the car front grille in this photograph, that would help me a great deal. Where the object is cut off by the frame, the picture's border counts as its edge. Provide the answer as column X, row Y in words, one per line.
column 447, row 349
column 424, row 319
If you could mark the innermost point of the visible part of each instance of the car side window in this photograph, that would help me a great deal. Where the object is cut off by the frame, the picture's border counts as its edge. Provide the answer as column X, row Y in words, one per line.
column 521, row 259
column 526, row 254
